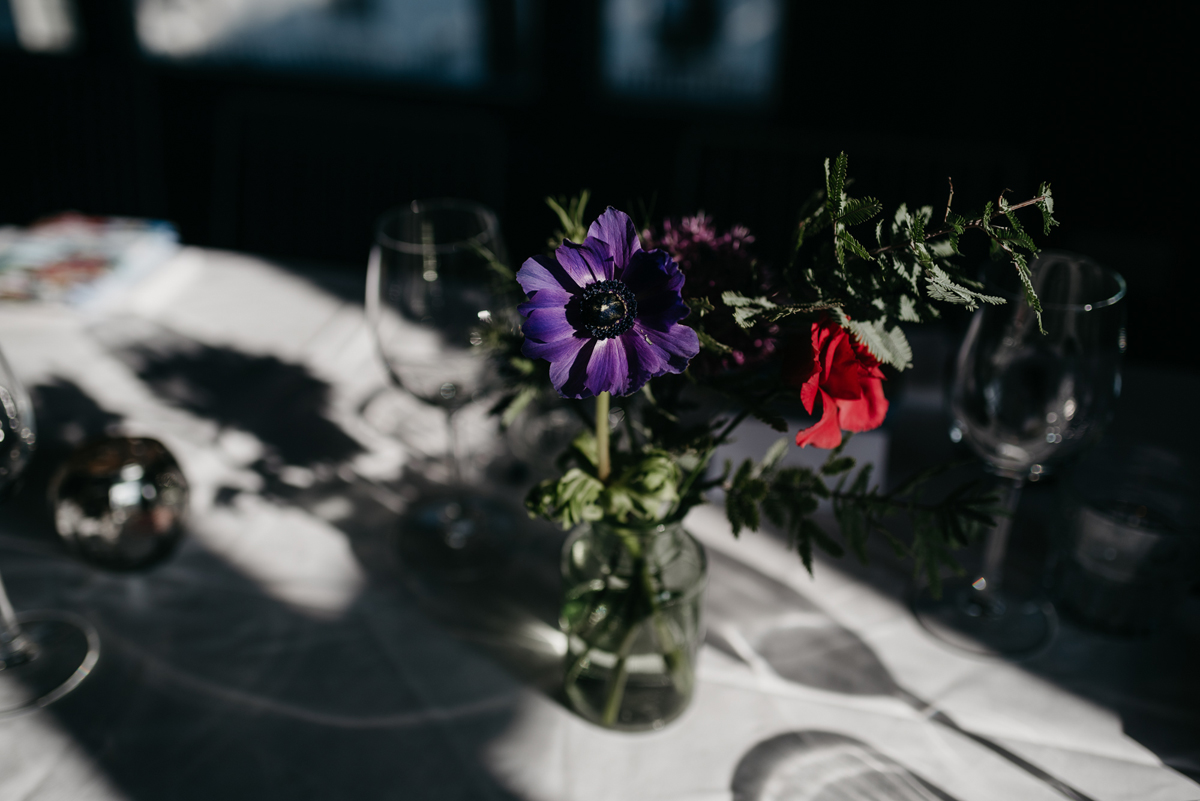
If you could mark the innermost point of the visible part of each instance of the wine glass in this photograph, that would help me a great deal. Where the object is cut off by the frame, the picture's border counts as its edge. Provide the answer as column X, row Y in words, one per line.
column 1026, row 402
column 429, row 303
column 44, row 654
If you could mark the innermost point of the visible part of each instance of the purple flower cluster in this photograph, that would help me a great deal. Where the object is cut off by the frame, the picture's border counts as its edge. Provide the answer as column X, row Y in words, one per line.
column 605, row 313
column 715, row 263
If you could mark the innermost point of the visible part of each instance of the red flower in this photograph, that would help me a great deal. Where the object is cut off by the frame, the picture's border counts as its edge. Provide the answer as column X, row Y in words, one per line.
column 847, row 378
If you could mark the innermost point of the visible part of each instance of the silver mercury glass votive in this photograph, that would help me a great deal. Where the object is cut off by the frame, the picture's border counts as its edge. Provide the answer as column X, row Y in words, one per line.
column 120, row 502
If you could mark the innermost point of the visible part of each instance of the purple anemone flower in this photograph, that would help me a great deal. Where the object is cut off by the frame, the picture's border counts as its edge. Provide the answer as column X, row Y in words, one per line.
column 605, row 313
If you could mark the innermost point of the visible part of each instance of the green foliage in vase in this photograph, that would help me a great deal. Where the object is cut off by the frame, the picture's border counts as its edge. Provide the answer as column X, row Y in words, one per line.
column 649, row 461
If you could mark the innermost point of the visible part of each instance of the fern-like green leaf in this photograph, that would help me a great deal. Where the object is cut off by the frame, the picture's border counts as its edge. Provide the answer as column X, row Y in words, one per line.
column 835, row 185
column 941, row 287
column 1031, row 297
column 853, row 245
column 773, row 420
column 746, row 310
column 859, row 210
column 836, row 467
column 1016, row 234
column 1046, row 206
column 985, row 219
column 943, row 248
column 918, row 226
column 804, row 542
column 887, row 345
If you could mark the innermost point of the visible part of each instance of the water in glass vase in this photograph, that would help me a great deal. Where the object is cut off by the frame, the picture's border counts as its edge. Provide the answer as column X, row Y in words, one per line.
column 631, row 612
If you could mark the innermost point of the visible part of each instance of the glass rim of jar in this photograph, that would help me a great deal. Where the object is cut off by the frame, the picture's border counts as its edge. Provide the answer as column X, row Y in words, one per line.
column 489, row 233
column 1103, row 303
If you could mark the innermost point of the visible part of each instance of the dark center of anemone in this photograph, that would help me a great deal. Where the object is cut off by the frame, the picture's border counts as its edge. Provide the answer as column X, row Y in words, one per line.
column 607, row 309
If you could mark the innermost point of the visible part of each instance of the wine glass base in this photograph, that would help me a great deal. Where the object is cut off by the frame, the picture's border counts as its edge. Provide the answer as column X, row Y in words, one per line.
column 457, row 535
column 61, row 649
column 993, row 624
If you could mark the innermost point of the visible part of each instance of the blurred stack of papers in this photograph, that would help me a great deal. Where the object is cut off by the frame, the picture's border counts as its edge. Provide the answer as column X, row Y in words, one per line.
column 79, row 260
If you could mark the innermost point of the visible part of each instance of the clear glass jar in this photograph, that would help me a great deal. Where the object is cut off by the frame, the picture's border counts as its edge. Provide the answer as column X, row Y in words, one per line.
column 631, row 613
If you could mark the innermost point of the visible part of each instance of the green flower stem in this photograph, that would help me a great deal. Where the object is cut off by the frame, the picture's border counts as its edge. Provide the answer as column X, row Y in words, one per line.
column 603, row 465
column 672, row 652
column 597, row 631
column 616, row 689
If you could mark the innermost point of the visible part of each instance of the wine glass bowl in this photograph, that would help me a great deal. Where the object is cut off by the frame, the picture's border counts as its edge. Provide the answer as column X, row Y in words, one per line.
column 1026, row 402
column 1028, row 395
column 429, row 299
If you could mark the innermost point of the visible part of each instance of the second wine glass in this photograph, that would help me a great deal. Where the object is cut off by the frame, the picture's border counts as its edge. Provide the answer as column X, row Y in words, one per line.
column 429, row 303
column 46, row 653
column 1025, row 402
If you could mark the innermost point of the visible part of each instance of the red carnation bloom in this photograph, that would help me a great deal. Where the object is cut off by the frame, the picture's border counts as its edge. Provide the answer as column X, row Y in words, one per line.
column 847, row 378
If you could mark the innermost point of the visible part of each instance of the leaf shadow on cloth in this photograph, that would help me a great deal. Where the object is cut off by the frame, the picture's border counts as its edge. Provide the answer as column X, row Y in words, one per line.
column 511, row 614
column 765, row 623
column 213, row 684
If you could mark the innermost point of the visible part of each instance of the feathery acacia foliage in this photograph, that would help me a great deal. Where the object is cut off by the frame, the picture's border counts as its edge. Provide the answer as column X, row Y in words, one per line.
column 915, row 262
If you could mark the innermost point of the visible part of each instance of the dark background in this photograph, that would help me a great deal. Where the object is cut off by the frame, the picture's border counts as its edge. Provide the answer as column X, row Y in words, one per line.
column 299, row 164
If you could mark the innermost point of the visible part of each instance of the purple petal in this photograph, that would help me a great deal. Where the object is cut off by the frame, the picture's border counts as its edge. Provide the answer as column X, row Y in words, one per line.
column 569, row 376
column 679, row 342
column 597, row 254
column 652, row 271
column 608, row 370
column 546, row 324
column 655, row 280
column 587, row 263
column 616, row 230
column 558, row 350
column 661, row 310
column 646, row 360
column 529, row 307
column 562, row 355
column 546, row 277
column 545, row 299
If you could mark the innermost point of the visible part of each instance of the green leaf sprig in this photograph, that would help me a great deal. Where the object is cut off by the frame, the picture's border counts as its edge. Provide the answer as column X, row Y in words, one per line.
column 916, row 257
column 789, row 498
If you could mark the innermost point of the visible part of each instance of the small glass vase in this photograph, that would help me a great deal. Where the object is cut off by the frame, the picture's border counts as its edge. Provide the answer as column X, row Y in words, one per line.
column 631, row 613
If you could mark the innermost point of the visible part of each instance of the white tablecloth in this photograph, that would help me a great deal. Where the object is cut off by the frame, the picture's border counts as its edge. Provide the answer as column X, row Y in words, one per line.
column 283, row 651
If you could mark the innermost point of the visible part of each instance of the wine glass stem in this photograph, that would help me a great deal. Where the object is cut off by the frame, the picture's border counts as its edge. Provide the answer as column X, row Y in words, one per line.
column 8, row 618
column 452, row 447
column 997, row 538
column 13, row 647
